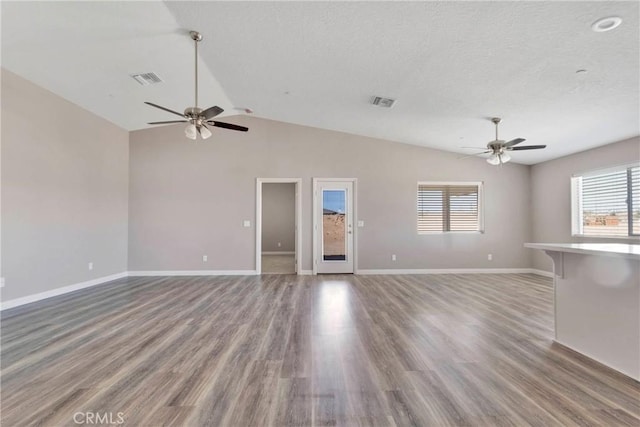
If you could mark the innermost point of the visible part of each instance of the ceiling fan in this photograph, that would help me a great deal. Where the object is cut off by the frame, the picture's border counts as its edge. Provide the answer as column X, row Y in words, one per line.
column 197, row 118
column 499, row 148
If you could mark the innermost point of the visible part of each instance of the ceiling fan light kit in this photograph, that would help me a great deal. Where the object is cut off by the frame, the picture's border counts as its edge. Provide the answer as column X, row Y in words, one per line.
column 494, row 160
column 196, row 118
column 498, row 159
column 191, row 132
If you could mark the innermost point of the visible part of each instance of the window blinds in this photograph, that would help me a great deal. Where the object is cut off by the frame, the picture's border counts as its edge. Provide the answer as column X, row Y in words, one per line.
column 448, row 208
column 635, row 199
column 609, row 201
column 605, row 194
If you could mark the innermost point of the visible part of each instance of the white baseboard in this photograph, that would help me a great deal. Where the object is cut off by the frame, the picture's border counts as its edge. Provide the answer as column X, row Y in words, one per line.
column 59, row 291
column 451, row 271
column 278, row 253
column 194, row 273
column 305, row 272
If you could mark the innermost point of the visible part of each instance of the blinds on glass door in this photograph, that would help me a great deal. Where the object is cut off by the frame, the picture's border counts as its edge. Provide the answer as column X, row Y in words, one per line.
column 448, row 208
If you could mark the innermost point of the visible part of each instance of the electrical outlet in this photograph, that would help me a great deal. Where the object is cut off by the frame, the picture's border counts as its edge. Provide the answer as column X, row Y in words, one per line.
column 490, row 257
column 205, row 258
column 91, row 266
column 246, row 223
column 360, row 223
column 393, row 257
column 1, row 282
column 279, row 244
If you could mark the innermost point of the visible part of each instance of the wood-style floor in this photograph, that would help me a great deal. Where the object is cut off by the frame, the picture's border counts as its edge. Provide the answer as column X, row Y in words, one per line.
column 283, row 350
column 278, row 264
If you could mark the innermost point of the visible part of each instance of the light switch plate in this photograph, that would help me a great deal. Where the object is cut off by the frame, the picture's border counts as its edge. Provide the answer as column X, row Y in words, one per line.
column 1, row 282
column 246, row 223
column 360, row 223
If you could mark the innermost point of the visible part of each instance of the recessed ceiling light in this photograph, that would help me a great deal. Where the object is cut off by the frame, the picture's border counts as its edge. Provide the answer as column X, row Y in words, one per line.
column 606, row 24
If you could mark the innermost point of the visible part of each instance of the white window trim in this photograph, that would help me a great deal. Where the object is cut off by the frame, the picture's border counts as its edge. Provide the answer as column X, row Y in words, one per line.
column 479, row 184
column 602, row 171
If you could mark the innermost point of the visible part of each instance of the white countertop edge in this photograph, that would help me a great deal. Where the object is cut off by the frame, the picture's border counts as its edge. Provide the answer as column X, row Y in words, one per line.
column 605, row 249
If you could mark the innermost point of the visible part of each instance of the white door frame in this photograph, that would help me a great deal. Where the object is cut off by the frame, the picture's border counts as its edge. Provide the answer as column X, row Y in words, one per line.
column 298, row 219
column 315, row 220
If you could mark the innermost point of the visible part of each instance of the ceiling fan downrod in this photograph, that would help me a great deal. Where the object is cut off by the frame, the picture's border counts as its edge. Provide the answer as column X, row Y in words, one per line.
column 496, row 121
column 197, row 37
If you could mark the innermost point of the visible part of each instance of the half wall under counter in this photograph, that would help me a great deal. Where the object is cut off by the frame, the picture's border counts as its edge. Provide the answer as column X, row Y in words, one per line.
column 597, row 301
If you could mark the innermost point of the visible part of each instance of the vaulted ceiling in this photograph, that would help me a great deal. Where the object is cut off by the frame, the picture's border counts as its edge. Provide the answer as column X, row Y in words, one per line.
column 450, row 65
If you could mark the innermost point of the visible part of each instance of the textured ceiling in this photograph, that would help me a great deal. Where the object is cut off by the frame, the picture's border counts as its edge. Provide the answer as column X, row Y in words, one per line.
column 451, row 65
column 86, row 52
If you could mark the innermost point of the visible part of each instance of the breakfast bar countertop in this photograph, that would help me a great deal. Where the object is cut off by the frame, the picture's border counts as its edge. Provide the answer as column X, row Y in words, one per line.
column 606, row 249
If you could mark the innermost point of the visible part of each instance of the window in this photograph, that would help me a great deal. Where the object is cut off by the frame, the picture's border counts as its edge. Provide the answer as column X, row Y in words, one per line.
column 606, row 203
column 449, row 207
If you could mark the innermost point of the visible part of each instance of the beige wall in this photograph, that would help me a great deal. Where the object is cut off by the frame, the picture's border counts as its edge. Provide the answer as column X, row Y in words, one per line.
column 188, row 199
column 74, row 186
column 278, row 217
column 64, row 191
column 551, row 193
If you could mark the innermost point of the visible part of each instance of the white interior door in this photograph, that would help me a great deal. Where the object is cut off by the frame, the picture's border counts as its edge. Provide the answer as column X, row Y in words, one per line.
column 334, row 226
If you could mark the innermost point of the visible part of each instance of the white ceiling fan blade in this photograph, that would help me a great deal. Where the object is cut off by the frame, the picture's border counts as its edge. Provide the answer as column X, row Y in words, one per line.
column 474, row 155
column 165, row 109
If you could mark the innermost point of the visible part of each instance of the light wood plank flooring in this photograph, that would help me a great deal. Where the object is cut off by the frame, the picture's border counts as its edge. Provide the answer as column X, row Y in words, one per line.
column 278, row 264
column 283, row 350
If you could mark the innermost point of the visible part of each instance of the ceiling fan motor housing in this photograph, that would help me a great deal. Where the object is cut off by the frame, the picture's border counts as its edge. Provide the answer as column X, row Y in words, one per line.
column 193, row 112
column 497, row 146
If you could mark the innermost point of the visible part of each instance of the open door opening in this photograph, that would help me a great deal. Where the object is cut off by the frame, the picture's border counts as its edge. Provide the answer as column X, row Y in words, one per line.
column 277, row 226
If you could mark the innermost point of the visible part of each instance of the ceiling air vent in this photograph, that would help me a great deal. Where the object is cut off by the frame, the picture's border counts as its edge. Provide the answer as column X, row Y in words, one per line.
column 147, row 78
column 383, row 102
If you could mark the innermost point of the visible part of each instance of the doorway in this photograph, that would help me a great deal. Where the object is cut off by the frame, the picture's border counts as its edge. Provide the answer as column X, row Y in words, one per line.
column 333, row 237
column 277, row 226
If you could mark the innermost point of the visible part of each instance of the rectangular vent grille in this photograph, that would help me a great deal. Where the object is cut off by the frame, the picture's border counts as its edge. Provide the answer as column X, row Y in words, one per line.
column 147, row 78
column 383, row 102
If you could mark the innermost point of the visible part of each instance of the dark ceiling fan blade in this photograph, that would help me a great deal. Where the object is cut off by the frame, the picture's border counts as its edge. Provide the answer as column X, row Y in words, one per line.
column 227, row 126
column 166, row 123
column 165, row 109
column 210, row 113
column 514, row 142
column 527, row 147
column 474, row 155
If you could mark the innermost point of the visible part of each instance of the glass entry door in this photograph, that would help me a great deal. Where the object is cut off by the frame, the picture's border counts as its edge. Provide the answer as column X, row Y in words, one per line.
column 334, row 226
